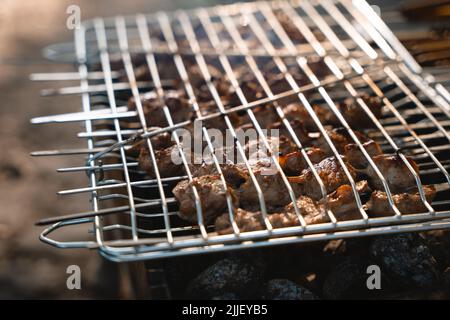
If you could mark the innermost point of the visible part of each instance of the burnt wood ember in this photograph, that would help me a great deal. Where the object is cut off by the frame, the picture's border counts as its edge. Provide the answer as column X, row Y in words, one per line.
column 406, row 258
column 228, row 276
column 213, row 197
column 283, row 289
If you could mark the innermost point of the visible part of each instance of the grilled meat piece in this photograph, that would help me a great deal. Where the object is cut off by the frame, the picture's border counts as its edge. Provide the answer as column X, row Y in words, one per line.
column 298, row 128
column 160, row 141
column 272, row 186
column 290, row 28
column 234, row 174
column 352, row 112
column 212, row 193
column 253, row 221
column 294, row 163
column 356, row 158
column 338, row 139
column 407, row 203
column 331, row 173
column 166, row 166
column 355, row 115
column 296, row 111
column 176, row 101
column 341, row 202
column 266, row 115
column 394, row 170
column 256, row 148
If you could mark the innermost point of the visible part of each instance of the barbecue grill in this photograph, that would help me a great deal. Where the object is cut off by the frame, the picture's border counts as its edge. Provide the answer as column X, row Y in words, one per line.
column 351, row 40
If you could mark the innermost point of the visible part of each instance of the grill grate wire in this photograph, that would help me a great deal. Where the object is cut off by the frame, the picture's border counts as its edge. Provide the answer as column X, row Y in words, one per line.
column 359, row 54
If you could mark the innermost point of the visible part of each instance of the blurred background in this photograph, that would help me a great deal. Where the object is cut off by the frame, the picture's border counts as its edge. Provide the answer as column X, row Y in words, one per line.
column 29, row 268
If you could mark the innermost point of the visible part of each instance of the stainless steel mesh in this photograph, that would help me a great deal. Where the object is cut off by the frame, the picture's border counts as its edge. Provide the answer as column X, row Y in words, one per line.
column 352, row 43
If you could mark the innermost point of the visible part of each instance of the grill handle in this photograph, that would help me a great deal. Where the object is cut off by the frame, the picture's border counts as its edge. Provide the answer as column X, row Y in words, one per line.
column 44, row 236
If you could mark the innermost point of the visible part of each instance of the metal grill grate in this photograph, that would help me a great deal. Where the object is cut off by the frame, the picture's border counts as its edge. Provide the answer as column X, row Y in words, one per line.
column 359, row 53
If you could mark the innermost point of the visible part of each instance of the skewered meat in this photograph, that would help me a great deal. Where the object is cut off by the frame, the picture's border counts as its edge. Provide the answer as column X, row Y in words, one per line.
column 407, row 203
column 394, row 170
column 294, row 163
column 331, row 174
column 341, row 202
column 176, row 102
column 212, row 193
column 356, row 158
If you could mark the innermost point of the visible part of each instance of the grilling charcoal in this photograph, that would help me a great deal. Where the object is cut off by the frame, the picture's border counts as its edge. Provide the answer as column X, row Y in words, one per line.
column 347, row 280
column 227, row 296
column 283, row 289
column 230, row 275
column 446, row 276
column 439, row 244
column 406, row 258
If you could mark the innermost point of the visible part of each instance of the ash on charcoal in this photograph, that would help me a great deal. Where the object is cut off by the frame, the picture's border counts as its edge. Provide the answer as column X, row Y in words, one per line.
column 406, row 258
column 228, row 275
column 227, row 296
column 347, row 280
column 283, row 289
column 446, row 276
column 439, row 243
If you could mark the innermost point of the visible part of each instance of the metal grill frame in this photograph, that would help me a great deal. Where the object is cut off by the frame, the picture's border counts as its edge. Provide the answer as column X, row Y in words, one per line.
column 390, row 58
